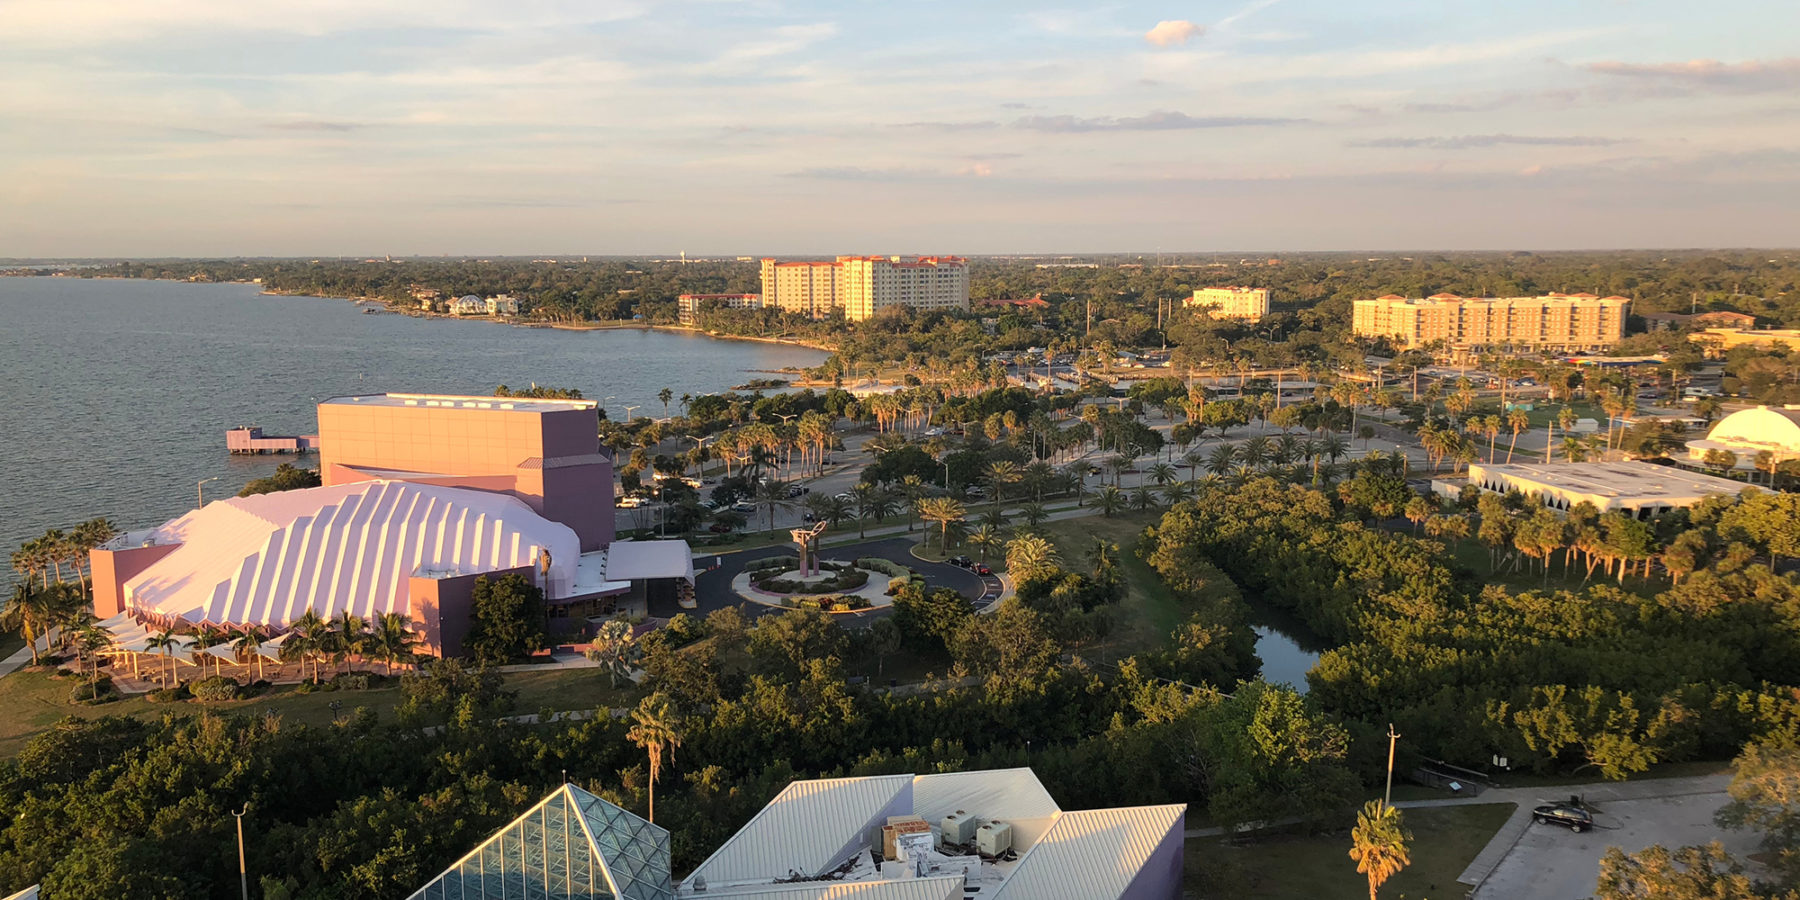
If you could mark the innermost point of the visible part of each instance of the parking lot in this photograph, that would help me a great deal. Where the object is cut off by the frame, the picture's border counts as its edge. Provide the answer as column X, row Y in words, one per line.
column 1553, row 863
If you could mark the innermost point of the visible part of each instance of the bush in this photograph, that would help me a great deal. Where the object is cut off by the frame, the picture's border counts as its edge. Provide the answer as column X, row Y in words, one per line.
column 857, row 601
column 352, row 681
column 884, row 566
column 770, row 562
column 215, row 688
column 175, row 694
column 98, row 689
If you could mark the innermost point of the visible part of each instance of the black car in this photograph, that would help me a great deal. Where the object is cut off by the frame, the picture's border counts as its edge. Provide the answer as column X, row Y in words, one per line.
column 961, row 562
column 1568, row 815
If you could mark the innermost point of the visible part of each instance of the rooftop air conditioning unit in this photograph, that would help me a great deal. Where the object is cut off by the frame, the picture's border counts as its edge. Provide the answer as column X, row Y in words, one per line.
column 958, row 828
column 993, row 839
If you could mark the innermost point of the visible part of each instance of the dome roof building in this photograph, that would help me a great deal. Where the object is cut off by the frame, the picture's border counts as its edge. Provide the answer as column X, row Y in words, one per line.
column 1748, row 432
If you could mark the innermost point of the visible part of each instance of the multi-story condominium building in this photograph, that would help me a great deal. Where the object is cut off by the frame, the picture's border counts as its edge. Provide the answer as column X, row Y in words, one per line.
column 1557, row 322
column 687, row 306
column 861, row 286
column 1233, row 302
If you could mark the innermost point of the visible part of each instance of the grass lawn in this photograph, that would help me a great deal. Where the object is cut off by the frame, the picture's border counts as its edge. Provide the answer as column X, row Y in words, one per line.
column 1149, row 612
column 32, row 701
column 1318, row 867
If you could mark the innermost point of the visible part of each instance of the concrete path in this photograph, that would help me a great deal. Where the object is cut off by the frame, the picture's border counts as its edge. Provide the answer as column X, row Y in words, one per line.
column 22, row 657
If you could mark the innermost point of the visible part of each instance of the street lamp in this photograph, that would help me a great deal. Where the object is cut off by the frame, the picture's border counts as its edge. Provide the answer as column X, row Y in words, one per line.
column 784, row 417
column 243, row 873
column 628, row 410
column 200, row 489
column 946, row 462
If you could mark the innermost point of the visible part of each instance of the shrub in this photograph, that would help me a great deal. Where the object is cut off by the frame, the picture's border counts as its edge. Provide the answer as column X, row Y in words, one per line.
column 352, row 681
column 857, row 601
column 98, row 689
column 884, row 566
column 770, row 562
column 175, row 694
column 215, row 688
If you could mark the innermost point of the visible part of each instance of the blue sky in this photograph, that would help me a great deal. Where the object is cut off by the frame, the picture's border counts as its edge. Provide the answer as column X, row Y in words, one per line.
column 301, row 127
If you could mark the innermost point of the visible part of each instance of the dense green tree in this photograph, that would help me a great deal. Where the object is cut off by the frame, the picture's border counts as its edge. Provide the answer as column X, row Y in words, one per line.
column 506, row 619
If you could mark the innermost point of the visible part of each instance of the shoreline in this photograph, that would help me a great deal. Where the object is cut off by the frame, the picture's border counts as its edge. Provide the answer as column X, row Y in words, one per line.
column 559, row 326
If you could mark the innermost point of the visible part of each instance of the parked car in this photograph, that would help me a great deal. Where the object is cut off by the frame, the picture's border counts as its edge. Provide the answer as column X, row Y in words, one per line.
column 719, row 528
column 983, row 570
column 631, row 501
column 744, row 506
column 961, row 562
column 847, row 497
column 795, row 492
column 1567, row 815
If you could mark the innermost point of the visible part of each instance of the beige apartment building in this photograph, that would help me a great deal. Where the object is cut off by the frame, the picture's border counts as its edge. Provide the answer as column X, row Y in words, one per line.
column 1245, row 303
column 1555, row 322
column 861, row 286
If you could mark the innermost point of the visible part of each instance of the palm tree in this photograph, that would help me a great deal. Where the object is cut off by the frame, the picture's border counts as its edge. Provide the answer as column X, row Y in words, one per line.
column 655, row 729
column 828, row 508
column 1111, row 501
column 942, row 511
column 1518, row 421
column 871, row 501
column 1000, row 474
column 1076, row 474
column 986, row 537
column 312, row 639
column 1162, row 474
column 29, row 611
column 665, row 395
column 772, row 495
column 165, row 642
column 1142, row 498
column 1254, row 452
column 1378, row 844
column 391, row 640
column 912, row 488
column 615, row 650
column 246, row 646
column 1029, row 555
column 1034, row 514
column 1178, row 492
column 89, row 642
column 1222, row 459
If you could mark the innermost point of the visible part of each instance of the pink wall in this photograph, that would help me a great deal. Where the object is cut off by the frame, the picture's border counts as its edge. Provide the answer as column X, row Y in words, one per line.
column 440, row 608
column 112, row 568
column 549, row 459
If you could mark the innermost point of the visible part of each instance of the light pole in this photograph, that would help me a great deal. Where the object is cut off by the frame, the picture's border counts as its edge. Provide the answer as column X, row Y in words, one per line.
column 200, row 489
column 1388, row 795
column 628, row 410
column 946, row 463
column 243, row 873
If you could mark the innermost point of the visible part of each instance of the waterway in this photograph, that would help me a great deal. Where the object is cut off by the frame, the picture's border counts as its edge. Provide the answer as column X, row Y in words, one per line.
column 1287, row 647
column 117, row 393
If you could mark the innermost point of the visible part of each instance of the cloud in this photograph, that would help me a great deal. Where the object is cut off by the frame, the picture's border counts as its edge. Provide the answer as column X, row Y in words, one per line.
column 1476, row 141
column 313, row 125
column 1171, row 32
column 1156, row 121
column 1750, row 76
column 948, row 126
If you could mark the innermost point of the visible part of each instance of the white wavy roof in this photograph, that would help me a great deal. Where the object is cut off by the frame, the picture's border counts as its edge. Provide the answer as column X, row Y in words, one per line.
column 266, row 559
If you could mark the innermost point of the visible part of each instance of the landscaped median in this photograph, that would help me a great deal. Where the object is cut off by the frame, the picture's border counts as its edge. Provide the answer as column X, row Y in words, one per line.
column 838, row 587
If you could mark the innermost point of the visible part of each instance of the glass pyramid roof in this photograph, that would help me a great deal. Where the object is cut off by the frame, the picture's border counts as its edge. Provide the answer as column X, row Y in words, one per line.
column 571, row 846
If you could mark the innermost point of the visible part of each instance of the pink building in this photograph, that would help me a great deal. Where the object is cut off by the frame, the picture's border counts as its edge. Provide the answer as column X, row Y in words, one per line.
column 422, row 494
column 544, row 452
column 250, row 439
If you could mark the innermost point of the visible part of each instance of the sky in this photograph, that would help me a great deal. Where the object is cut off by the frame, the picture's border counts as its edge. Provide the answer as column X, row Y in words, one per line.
column 557, row 127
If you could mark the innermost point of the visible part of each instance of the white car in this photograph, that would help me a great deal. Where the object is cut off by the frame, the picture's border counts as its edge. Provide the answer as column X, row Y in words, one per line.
column 631, row 501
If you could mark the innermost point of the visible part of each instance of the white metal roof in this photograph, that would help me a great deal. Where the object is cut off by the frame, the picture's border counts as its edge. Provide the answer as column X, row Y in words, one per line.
column 990, row 794
column 30, row 893
column 1091, row 853
column 266, row 559
column 804, row 829
column 635, row 560
column 943, row 887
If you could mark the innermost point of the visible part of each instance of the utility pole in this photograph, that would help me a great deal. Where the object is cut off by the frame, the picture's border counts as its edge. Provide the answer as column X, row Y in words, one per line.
column 1388, row 794
column 243, row 873
column 1090, row 318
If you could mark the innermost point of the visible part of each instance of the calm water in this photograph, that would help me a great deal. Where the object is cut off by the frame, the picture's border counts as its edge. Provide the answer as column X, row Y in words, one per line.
column 118, row 393
column 1287, row 647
